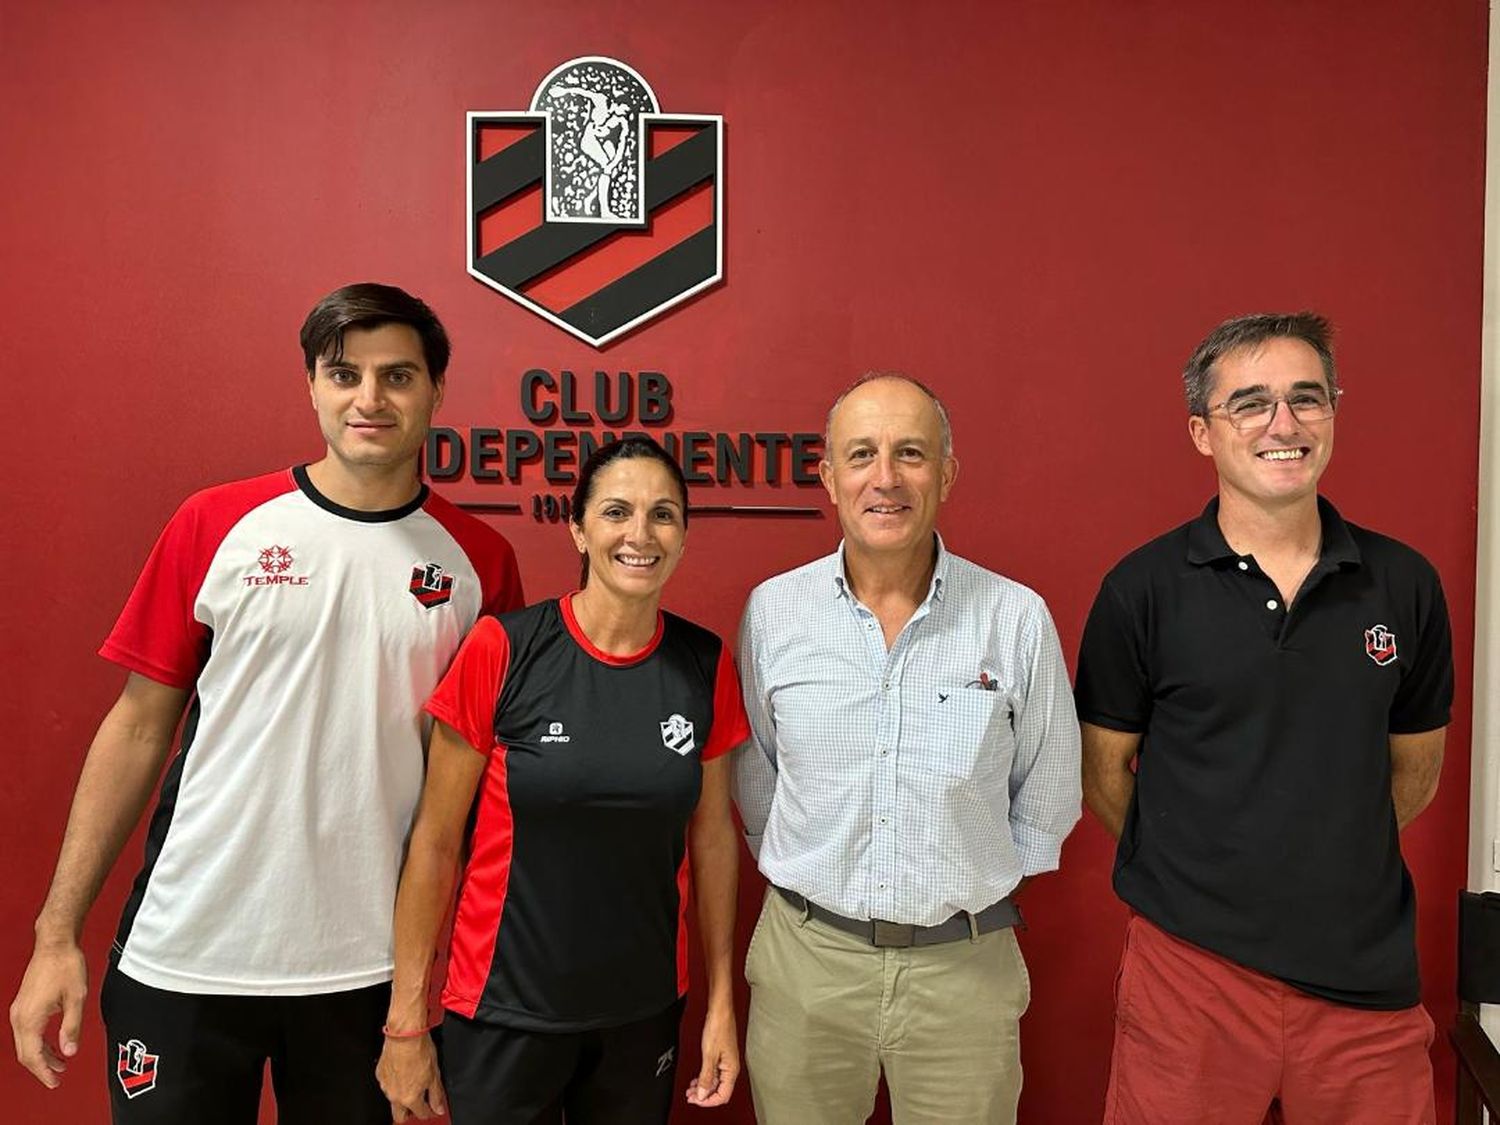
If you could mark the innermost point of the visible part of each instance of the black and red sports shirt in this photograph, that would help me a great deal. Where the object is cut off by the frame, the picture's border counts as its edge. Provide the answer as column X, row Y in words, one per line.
column 573, row 909
column 310, row 634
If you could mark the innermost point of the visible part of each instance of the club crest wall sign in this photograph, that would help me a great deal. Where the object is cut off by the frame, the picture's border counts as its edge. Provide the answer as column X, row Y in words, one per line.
column 594, row 209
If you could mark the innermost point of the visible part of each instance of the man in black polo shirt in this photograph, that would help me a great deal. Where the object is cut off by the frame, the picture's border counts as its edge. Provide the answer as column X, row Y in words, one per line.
column 1280, row 680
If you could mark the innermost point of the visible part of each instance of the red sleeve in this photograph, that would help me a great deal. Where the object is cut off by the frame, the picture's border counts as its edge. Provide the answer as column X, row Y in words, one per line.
column 466, row 697
column 731, row 726
column 157, row 634
column 504, row 591
column 487, row 551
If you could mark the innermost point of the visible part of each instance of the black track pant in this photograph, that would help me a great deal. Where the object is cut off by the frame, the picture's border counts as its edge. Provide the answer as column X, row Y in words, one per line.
column 178, row 1058
column 623, row 1075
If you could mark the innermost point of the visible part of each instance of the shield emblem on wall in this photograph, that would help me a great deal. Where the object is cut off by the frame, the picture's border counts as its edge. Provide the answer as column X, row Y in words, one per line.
column 593, row 208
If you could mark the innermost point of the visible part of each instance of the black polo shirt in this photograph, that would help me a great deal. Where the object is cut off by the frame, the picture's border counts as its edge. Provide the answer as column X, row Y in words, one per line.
column 1262, row 826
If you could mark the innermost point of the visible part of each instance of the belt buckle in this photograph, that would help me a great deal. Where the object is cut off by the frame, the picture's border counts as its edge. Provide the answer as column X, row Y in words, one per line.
column 898, row 935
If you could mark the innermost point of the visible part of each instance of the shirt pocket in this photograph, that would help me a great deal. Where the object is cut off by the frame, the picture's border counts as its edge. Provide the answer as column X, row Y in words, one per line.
column 967, row 736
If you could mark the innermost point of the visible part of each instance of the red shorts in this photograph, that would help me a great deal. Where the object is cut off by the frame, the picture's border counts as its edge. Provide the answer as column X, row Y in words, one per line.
column 1200, row 1040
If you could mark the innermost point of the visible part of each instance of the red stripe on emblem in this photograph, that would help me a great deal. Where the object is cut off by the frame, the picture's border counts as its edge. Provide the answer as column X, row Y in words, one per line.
column 131, row 1081
column 498, row 138
column 585, row 274
column 664, row 138
column 476, row 926
column 509, row 219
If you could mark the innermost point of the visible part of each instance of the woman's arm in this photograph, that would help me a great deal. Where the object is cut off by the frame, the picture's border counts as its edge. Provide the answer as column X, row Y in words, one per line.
column 407, row 1070
column 713, row 845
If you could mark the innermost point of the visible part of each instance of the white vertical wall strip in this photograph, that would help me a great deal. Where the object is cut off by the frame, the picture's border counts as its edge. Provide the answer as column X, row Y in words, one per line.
column 1484, row 798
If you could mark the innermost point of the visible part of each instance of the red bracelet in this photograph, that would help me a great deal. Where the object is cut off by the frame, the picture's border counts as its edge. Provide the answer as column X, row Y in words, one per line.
column 390, row 1034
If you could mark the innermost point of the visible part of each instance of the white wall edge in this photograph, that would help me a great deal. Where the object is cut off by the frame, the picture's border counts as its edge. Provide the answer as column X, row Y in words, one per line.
column 1484, row 792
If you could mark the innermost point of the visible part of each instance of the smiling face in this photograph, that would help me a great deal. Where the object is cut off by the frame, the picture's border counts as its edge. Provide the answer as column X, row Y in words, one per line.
column 1279, row 462
column 375, row 401
column 631, row 528
column 885, row 469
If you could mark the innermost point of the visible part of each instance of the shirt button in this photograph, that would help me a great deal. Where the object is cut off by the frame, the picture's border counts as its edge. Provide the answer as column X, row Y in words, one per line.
column 882, row 820
column 1271, row 604
column 881, row 886
column 886, row 686
column 884, row 751
column 1244, row 565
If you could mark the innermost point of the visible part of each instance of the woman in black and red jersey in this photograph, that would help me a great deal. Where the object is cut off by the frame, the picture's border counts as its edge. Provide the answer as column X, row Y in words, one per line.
column 593, row 730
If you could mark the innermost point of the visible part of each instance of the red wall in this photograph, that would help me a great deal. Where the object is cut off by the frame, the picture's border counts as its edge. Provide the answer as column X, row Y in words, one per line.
column 1039, row 208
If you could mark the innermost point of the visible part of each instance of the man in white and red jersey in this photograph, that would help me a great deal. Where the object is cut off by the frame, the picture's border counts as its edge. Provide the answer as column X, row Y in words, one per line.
column 301, row 619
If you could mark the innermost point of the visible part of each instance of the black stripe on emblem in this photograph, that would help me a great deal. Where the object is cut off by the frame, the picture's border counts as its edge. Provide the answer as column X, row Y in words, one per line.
column 647, row 287
column 537, row 251
column 518, row 165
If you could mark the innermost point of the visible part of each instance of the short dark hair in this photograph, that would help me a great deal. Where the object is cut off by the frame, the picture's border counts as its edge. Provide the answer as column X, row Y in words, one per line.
column 607, row 454
column 369, row 305
column 1251, row 332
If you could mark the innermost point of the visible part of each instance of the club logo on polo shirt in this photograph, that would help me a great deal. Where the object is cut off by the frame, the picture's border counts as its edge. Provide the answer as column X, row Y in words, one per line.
column 431, row 585
column 275, row 562
column 555, row 734
column 136, row 1068
column 677, row 735
column 1380, row 645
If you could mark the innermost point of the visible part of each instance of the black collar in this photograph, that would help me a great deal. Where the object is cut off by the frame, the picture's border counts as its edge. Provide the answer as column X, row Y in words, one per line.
column 388, row 515
column 1206, row 542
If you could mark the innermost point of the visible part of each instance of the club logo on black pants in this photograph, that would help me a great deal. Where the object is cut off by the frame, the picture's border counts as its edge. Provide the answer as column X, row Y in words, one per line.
column 136, row 1068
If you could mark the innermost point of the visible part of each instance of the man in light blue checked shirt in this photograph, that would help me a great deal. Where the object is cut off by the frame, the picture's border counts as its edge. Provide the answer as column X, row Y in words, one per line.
column 914, row 760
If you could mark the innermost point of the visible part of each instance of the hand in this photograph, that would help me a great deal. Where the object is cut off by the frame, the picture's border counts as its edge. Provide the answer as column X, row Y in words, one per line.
column 721, row 1061
column 408, row 1077
column 56, row 980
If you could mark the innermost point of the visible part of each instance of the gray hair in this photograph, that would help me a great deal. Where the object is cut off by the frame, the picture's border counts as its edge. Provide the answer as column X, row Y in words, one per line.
column 873, row 376
column 1251, row 332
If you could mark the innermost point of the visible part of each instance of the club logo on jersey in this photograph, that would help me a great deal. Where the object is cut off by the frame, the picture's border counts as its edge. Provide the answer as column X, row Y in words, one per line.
column 593, row 208
column 274, row 562
column 1380, row 645
column 555, row 734
column 136, row 1068
column 431, row 584
column 677, row 735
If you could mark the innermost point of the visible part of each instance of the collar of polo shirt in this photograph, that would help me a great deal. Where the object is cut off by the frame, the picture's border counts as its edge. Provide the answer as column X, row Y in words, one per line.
column 1206, row 543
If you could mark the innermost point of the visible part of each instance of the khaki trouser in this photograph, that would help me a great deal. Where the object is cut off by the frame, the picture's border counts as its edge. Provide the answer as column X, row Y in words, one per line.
column 829, row 1012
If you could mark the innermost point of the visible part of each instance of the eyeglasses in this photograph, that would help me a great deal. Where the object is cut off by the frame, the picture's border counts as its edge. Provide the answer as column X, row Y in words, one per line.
column 1251, row 412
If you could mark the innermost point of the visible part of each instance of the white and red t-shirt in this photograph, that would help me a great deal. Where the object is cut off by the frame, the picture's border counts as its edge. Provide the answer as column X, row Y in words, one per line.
column 311, row 635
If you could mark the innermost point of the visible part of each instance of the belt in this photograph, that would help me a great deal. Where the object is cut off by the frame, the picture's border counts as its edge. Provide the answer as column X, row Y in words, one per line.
column 996, row 916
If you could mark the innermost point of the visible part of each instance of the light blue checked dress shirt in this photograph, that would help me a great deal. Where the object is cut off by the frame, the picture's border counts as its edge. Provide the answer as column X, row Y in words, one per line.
column 914, row 783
